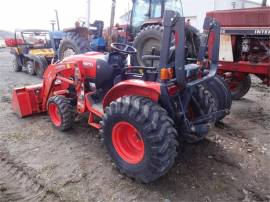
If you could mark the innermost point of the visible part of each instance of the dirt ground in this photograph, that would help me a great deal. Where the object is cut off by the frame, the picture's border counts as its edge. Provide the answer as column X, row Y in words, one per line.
column 39, row 163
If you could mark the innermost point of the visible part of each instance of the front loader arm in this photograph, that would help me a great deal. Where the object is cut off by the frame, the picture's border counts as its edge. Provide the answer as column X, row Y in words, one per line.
column 56, row 81
column 48, row 83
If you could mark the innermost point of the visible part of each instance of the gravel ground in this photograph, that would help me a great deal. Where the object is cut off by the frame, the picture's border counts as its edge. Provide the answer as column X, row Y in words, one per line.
column 39, row 163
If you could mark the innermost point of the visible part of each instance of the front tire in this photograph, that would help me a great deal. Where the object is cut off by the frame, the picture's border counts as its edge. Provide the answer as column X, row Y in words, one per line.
column 61, row 112
column 240, row 87
column 140, row 137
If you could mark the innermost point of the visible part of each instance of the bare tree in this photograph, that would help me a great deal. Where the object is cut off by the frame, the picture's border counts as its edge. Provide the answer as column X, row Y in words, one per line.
column 264, row 2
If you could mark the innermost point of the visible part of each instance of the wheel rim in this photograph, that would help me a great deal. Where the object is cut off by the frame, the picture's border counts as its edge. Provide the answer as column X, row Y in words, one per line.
column 30, row 68
column 54, row 114
column 128, row 142
column 234, row 85
column 68, row 52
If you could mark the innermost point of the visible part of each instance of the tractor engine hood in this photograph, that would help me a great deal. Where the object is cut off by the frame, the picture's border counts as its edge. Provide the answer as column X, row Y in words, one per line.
column 96, row 67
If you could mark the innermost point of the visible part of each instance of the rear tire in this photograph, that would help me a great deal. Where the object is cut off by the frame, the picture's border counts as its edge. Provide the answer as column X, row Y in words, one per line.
column 148, row 37
column 221, row 93
column 15, row 66
column 61, row 112
column 156, row 147
column 30, row 67
column 152, row 35
column 202, row 103
column 242, row 88
column 73, row 44
column 40, row 66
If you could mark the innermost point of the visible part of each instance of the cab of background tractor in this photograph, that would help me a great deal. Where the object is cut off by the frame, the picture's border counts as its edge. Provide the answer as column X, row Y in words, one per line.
column 151, row 12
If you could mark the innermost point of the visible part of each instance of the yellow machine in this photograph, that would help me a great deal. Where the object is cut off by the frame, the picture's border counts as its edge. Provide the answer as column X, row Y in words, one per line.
column 44, row 52
column 32, row 51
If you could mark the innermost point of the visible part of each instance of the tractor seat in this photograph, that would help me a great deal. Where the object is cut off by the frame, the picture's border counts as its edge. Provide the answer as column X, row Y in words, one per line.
column 109, row 66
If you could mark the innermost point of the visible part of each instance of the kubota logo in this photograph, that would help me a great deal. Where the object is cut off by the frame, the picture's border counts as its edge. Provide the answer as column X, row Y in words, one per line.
column 90, row 64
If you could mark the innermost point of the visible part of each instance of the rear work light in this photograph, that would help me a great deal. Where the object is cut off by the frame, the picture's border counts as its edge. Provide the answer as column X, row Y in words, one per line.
column 166, row 73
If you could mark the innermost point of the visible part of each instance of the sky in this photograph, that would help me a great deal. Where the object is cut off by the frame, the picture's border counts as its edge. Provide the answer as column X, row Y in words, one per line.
column 38, row 13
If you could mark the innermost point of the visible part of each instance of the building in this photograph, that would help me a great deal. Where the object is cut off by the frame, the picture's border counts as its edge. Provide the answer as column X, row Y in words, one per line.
column 196, row 10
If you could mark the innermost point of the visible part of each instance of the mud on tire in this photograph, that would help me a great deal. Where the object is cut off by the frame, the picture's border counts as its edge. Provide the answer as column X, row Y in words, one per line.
column 156, row 130
column 61, row 112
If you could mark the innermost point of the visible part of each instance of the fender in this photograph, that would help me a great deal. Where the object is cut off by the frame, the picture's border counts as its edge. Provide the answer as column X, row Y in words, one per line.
column 142, row 88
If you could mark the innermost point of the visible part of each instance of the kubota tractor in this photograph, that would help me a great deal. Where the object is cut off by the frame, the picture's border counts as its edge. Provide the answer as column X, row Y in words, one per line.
column 144, row 111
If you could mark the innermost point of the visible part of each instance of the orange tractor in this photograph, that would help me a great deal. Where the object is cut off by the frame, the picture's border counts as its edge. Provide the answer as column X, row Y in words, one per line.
column 141, row 112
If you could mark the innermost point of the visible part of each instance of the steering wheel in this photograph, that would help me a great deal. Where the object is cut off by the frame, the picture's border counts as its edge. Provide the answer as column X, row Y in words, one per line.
column 123, row 48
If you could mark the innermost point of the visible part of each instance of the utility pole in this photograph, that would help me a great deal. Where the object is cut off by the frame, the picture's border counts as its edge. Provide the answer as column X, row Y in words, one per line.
column 57, row 20
column 264, row 2
column 52, row 23
column 88, row 13
column 214, row 5
column 243, row 3
column 112, row 16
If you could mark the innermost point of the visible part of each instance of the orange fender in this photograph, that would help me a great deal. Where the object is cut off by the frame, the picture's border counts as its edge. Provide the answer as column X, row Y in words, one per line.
column 130, row 87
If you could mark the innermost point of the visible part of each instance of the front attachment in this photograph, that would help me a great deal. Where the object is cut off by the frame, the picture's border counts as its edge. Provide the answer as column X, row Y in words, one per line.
column 27, row 100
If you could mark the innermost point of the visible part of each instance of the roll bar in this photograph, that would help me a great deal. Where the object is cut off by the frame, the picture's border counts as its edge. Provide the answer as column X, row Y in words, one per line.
column 172, row 21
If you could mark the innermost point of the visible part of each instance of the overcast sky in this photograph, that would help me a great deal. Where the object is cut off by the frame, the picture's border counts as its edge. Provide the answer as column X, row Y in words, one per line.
column 38, row 13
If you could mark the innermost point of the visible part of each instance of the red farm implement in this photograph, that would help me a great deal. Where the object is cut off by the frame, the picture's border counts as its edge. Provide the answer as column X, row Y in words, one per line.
column 244, row 47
